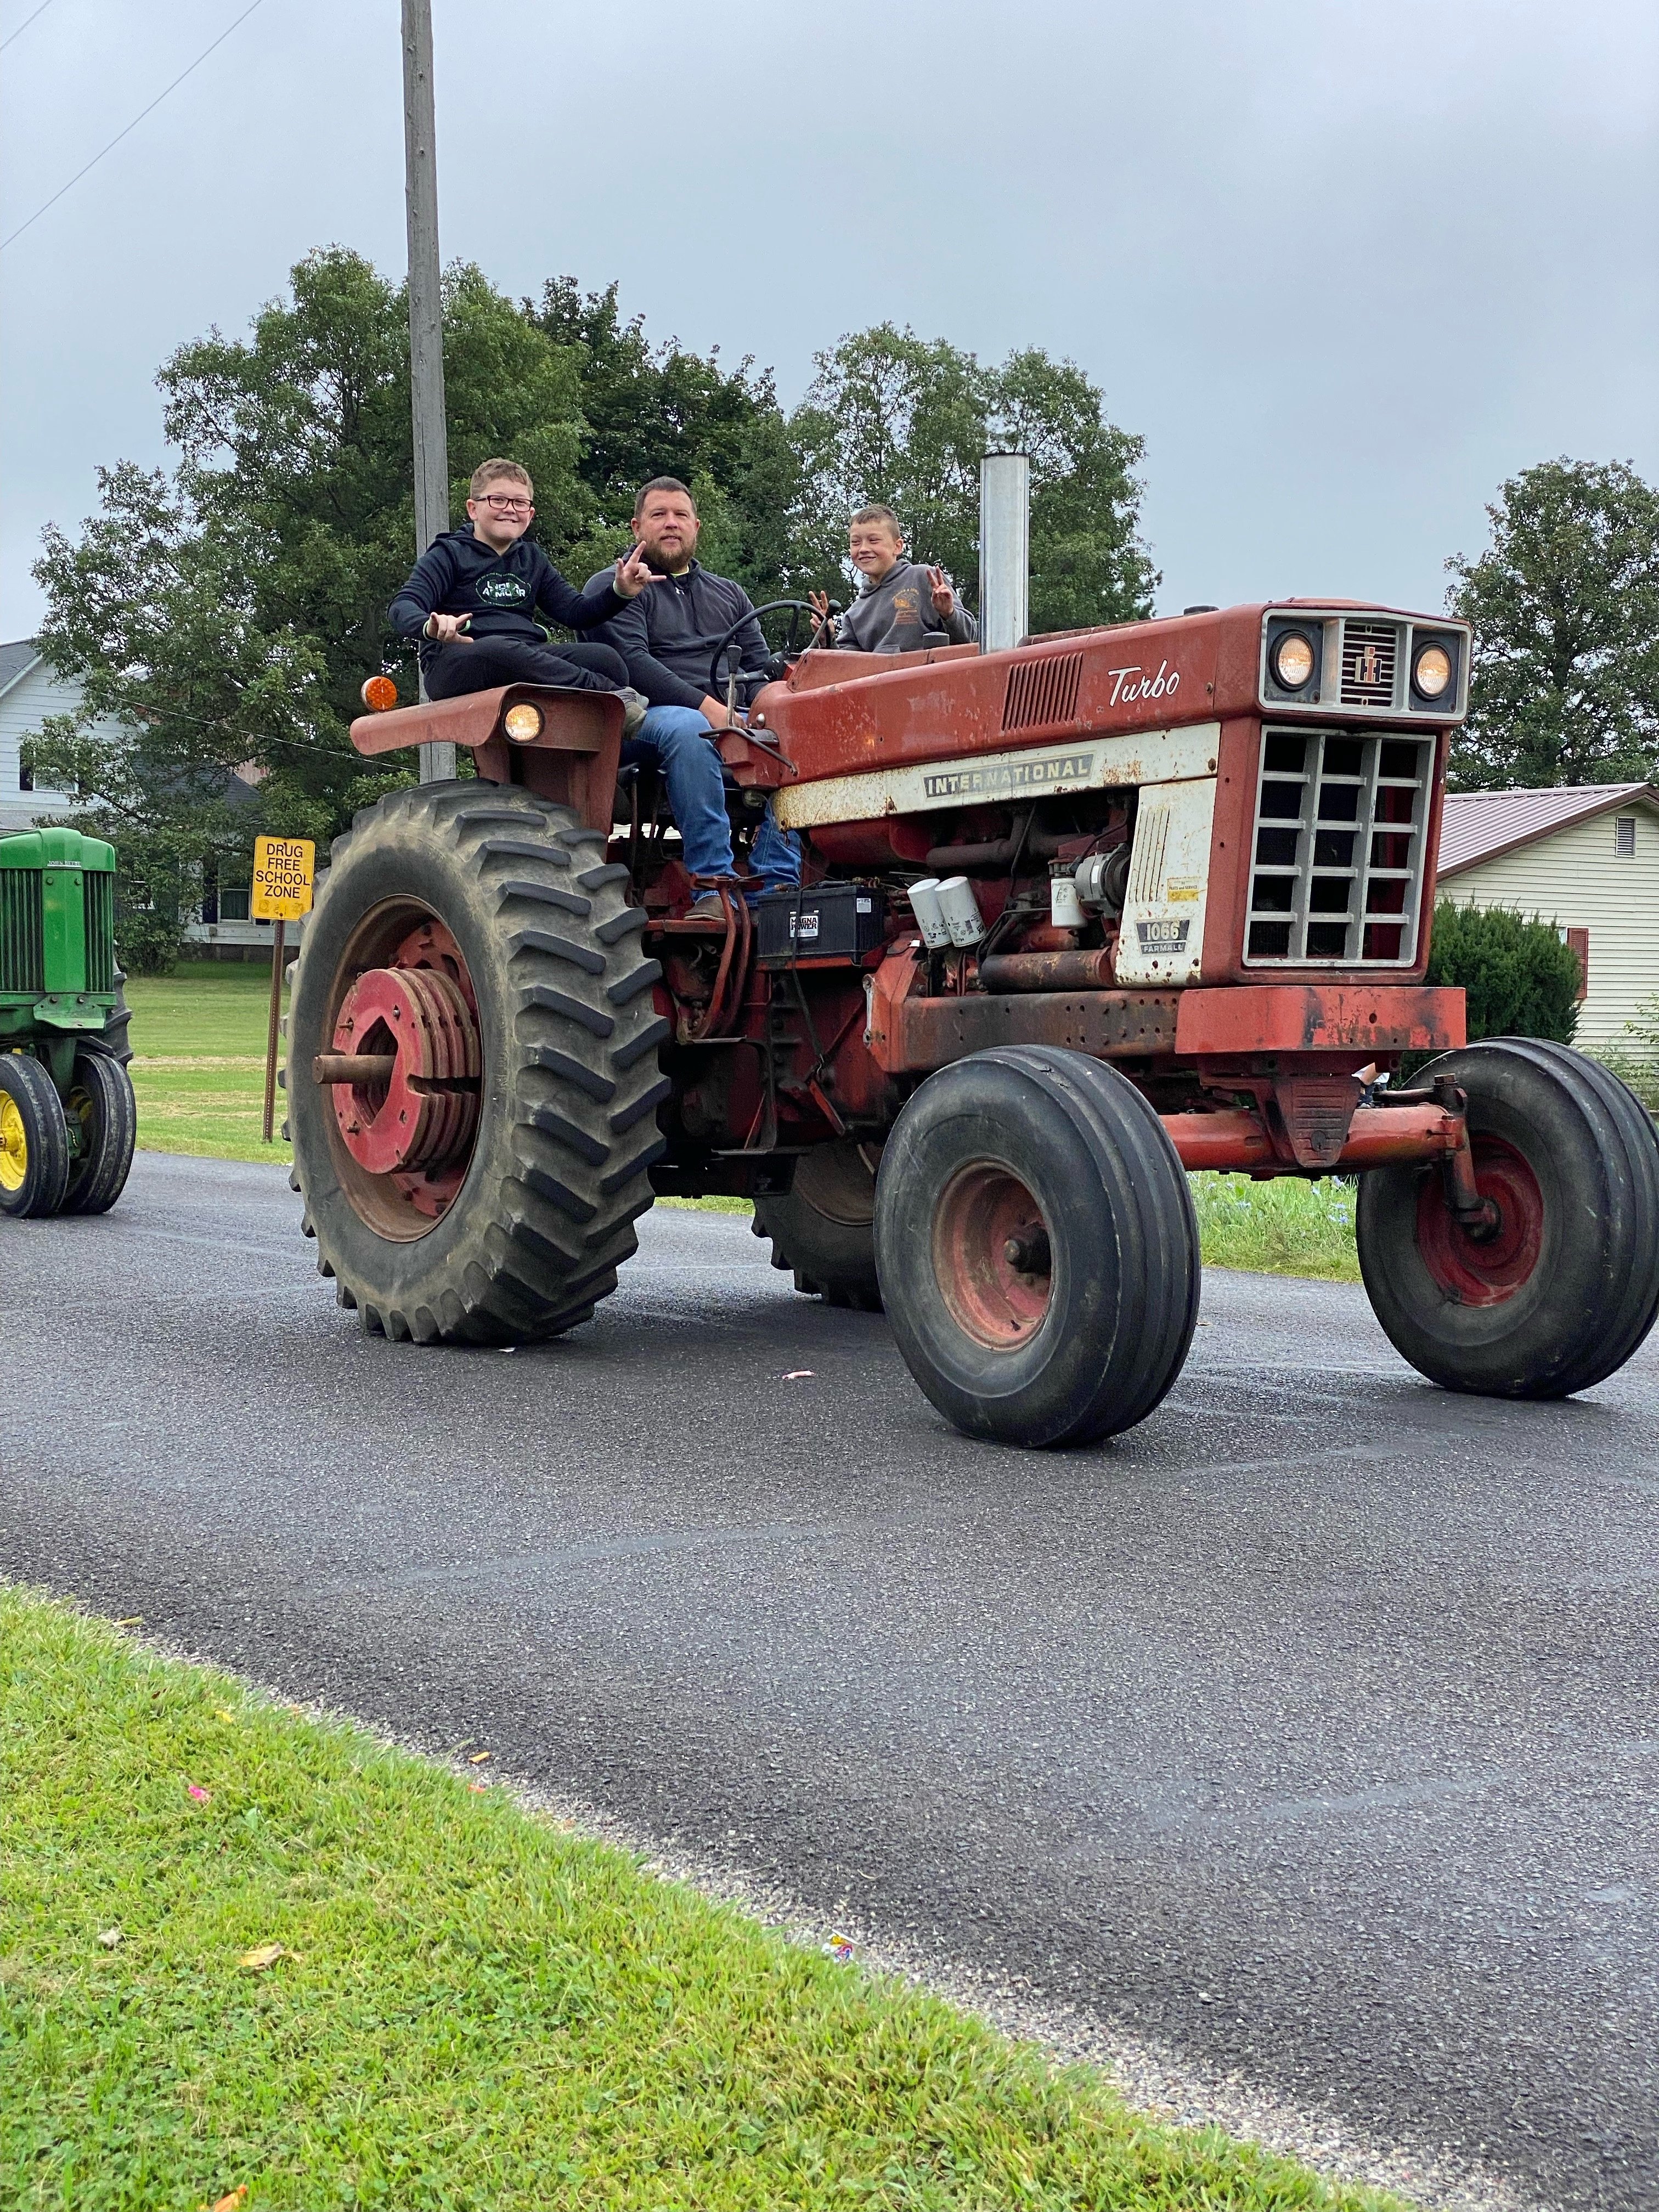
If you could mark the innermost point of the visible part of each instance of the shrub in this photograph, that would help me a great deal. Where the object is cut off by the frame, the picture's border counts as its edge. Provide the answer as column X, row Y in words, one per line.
column 1519, row 978
column 1638, row 1062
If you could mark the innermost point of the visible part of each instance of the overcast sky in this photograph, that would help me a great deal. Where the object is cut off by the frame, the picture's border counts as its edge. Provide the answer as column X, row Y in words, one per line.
column 1343, row 267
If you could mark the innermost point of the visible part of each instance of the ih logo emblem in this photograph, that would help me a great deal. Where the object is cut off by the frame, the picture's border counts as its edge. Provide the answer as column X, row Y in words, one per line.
column 1369, row 671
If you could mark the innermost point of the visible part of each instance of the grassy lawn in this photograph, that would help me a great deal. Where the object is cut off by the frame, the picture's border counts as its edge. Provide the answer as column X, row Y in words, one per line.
column 198, row 1060
column 471, row 2006
column 198, row 1041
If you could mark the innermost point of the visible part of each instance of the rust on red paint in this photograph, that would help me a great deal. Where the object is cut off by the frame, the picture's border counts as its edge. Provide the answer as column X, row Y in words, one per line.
column 1247, row 1019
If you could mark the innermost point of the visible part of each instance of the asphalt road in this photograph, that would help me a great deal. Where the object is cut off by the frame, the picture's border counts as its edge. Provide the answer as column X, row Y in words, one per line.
column 1311, row 1728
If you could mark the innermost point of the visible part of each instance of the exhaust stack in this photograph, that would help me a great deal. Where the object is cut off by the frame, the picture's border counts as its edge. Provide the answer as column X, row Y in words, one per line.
column 1005, row 550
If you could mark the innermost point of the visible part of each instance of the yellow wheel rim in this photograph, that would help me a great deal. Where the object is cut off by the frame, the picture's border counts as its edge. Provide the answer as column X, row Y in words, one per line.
column 14, row 1145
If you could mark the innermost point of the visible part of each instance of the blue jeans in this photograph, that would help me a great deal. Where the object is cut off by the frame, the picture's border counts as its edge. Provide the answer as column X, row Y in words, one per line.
column 677, row 741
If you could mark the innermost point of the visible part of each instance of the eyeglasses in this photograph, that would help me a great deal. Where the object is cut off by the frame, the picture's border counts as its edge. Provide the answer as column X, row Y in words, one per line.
column 503, row 505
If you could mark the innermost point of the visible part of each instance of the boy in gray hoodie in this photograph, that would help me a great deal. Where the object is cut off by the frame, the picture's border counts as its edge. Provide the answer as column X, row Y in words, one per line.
column 901, row 601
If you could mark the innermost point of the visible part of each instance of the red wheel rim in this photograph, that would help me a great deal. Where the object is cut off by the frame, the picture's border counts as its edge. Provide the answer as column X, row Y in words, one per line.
column 1484, row 1272
column 404, row 1147
column 991, row 1256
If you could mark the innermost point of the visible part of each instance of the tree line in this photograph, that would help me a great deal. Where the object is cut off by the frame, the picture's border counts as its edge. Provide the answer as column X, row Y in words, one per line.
column 227, row 609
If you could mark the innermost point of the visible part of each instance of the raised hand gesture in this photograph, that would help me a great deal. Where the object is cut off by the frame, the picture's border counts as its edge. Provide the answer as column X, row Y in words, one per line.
column 632, row 575
column 821, row 616
column 944, row 598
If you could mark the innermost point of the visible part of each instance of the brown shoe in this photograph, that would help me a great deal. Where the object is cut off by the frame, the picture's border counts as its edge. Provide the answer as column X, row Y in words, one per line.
column 709, row 908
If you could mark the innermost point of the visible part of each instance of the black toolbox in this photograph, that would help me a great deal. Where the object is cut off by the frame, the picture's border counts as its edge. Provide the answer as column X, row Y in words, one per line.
column 830, row 921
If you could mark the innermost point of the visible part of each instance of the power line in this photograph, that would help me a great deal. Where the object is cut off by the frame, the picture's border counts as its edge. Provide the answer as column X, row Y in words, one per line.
column 23, row 26
column 133, row 125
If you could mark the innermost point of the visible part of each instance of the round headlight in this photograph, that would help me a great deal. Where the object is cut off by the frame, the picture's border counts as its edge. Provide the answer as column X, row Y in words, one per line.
column 522, row 722
column 1293, row 660
column 1431, row 671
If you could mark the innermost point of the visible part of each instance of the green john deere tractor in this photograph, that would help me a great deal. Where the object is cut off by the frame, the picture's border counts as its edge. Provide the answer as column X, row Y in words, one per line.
column 67, row 1117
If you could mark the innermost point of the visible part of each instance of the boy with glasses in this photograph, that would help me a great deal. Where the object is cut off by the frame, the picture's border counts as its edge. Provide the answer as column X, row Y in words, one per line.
column 472, row 598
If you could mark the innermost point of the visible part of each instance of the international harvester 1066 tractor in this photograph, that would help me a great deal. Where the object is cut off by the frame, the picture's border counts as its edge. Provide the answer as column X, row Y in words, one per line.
column 1076, row 916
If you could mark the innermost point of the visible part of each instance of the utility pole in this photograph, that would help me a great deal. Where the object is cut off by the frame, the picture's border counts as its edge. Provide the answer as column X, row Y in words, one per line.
column 425, row 312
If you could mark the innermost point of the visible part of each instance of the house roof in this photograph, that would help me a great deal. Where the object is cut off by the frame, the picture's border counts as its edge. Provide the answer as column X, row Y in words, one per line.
column 1479, row 825
column 16, row 660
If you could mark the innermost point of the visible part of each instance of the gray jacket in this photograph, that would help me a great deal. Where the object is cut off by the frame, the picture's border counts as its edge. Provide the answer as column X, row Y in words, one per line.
column 893, row 615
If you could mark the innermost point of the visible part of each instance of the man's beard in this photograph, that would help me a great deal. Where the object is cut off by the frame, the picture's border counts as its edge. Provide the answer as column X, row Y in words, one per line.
column 663, row 563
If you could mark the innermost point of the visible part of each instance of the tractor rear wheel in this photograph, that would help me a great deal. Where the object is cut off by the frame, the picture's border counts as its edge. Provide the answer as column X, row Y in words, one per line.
column 1037, row 1247
column 34, row 1158
column 1566, row 1286
column 472, row 1149
column 100, row 1101
column 823, row 1227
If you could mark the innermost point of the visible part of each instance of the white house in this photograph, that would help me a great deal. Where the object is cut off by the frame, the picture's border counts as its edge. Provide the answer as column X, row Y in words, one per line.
column 29, row 691
column 1585, row 857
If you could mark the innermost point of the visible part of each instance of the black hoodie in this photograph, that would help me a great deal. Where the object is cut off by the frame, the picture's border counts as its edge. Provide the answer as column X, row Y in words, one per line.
column 459, row 574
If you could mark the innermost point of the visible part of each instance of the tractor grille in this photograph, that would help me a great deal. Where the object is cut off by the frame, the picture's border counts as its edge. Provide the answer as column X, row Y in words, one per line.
column 1337, row 871
column 1041, row 692
column 22, row 930
column 1370, row 654
column 98, row 891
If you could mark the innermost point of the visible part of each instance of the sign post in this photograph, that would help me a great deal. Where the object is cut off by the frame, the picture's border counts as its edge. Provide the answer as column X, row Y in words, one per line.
column 284, row 870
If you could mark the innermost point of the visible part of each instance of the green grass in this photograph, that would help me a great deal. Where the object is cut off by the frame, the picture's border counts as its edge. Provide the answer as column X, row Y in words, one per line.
column 475, row 2008
column 198, row 1060
column 199, row 1039
column 1285, row 1227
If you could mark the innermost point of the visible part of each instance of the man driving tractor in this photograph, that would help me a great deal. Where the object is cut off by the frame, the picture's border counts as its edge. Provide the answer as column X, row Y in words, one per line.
column 666, row 638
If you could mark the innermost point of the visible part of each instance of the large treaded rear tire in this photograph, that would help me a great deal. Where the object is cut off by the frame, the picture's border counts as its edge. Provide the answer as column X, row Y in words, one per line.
column 1083, row 1334
column 823, row 1228
column 1564, row 1307
column 569, row 1034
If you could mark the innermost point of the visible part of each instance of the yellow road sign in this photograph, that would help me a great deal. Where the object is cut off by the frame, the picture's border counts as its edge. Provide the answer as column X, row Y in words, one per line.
column 284, row 868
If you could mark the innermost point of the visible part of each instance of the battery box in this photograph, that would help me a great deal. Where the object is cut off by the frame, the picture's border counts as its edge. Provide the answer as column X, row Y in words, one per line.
column 830, row 921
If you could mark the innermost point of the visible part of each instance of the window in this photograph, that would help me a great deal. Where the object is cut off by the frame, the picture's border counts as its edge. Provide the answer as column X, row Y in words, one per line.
column 1578, row 939
column 25, row 775
column 1624, row 837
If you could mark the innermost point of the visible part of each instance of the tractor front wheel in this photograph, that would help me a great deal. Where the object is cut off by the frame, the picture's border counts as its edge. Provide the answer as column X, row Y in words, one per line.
column 821, row 1229
column 1558, row 1289
column 102, row 1102
column 472, row 1071
column 1037, row 1247
column 34, row 1154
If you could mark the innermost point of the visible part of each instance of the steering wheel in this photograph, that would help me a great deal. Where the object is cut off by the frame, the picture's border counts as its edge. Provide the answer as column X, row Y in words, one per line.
column 791, row 649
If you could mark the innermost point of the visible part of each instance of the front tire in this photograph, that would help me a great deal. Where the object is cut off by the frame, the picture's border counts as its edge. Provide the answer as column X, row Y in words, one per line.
column 473, row 935
column 34, row 1156
column 1568, row 1287
column 101, row 1099
column 1037, row 1247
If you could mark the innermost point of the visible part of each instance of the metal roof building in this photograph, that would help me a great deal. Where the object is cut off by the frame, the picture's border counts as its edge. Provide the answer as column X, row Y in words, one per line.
column 1583, row 856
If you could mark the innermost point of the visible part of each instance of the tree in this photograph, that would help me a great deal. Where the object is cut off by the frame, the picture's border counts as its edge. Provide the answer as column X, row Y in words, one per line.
column 1564, row 603
column 660, row 411
column 229, row 612
column 1520, row 978
column 904, row 420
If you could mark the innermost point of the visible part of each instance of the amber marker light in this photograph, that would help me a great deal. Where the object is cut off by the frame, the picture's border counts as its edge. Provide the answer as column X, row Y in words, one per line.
column 379, row 694
column 1293, row 660
column 1431, row 671
column 522, row 722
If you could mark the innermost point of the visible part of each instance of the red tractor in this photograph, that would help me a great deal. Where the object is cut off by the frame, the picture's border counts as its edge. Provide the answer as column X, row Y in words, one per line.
column 1075, row 917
